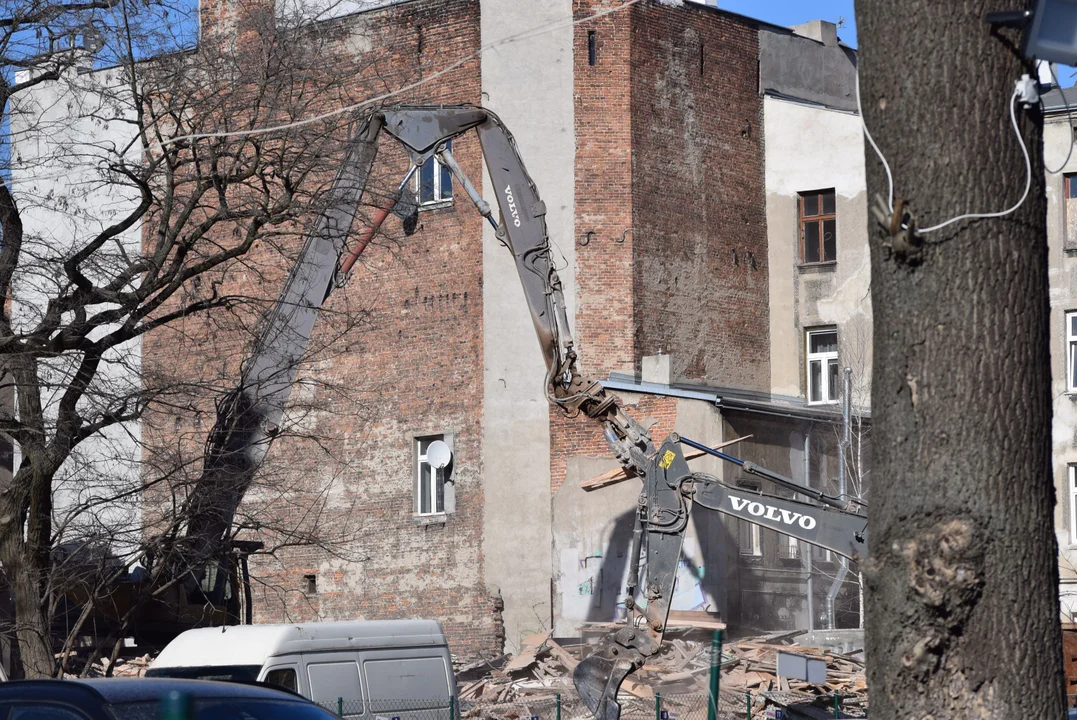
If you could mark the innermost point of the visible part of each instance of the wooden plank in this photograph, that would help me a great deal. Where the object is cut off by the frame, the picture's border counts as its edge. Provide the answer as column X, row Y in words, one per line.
column 563, row 656
column 526, row 656
column 611, row 477
column 695, row 618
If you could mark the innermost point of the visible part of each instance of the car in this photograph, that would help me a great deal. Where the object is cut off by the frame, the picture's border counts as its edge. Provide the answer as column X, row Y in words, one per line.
column 147, row 699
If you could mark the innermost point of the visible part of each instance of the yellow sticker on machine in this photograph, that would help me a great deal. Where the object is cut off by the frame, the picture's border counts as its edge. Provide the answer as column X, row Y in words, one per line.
column 667, row 460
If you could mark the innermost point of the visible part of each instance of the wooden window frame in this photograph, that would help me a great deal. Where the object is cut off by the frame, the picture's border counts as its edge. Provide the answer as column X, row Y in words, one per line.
column 819, row 219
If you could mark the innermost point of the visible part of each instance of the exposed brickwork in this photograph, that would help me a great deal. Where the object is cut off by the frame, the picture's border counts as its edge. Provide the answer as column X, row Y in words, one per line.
column 701, row 289
column 604, row 305
column 576, row 436
column 669, row 178
column 407, row 369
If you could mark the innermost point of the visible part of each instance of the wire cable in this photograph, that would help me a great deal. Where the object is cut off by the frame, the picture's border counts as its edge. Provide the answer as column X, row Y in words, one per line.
column 1069, row 119
column 871, row 141
column 966, row 216
column 1028, row 178
column 542, row 30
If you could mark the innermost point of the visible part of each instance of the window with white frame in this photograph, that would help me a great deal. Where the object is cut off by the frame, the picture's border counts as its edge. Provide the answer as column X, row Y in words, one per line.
column 1071, row 351
column 433, row 182
column 822, row 366
column 750, row 541
column 1073, row 503
column 429, row 480
column 788, row 547
column 821, row 554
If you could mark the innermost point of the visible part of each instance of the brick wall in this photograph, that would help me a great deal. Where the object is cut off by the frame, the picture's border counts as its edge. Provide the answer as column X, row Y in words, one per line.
column 397, row 354
column 604, row 301
column 700, row 246
column 669, row 178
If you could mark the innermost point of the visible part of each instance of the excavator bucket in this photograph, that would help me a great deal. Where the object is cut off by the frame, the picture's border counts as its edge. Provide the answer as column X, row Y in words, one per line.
column 597, row 679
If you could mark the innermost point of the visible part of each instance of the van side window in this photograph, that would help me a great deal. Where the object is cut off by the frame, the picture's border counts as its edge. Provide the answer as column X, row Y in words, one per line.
column 333, row 680
column 418, row 680
column 283, row 677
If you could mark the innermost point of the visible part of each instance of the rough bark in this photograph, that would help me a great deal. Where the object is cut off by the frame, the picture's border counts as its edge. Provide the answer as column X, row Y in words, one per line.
column 962, row 610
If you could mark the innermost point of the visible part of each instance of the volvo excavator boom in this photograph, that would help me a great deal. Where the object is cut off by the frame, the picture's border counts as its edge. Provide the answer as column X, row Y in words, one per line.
column 249, row 416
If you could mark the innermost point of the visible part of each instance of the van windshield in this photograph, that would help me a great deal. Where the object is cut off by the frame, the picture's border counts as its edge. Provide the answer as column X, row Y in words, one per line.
column 227, row 673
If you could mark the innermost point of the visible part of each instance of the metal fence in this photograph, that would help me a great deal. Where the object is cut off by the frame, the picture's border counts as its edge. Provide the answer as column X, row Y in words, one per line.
column 732, row 705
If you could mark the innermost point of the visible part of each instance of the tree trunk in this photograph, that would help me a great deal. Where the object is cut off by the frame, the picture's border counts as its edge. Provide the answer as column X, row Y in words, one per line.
column 31, row 626
column 962, row 604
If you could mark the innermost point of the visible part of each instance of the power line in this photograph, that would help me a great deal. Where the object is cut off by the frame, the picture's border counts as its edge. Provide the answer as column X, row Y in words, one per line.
column 542, row 30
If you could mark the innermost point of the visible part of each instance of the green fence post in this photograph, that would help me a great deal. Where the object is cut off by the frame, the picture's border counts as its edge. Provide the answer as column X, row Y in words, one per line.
column 340, row 706
column 748, row 699
column 658, row 706
column 558, row 706
column 716, row 673
column 836, row 704
column 452, row 708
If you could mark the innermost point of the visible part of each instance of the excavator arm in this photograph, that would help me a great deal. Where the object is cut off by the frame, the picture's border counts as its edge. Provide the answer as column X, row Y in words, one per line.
column 249, row 416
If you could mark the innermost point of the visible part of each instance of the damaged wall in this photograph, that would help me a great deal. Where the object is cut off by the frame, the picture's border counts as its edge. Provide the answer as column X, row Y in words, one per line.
column 592, row 533
column 811, row 148
column 700, row 244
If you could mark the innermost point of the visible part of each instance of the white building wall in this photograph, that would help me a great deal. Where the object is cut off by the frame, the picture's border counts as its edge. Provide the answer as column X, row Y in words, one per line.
column 810, row 147
column 64, row 136
column 1062, row 276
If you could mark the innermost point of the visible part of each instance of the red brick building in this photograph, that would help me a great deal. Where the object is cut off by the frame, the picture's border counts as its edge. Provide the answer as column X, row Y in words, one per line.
column 642, row 130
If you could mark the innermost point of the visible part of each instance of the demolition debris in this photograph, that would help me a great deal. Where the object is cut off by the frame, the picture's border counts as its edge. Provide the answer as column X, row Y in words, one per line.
column 680, row 673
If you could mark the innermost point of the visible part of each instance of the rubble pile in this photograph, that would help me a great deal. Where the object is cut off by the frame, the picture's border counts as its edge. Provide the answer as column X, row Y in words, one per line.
column 542, row 669
column 125, row 667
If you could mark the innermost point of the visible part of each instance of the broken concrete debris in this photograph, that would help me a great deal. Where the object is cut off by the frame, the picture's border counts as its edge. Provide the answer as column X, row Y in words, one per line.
column 680, row 673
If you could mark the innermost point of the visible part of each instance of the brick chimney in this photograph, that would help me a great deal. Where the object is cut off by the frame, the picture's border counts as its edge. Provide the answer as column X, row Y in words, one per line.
column 225, row 25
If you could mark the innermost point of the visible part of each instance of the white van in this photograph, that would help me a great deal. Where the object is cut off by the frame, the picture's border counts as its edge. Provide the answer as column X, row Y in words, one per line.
column 379, row 669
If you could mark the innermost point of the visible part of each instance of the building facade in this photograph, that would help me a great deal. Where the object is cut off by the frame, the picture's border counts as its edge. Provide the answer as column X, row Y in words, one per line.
column 704, row 183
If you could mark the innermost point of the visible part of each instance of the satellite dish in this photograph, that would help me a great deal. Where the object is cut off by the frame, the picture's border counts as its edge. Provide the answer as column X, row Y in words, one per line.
column 438, row 454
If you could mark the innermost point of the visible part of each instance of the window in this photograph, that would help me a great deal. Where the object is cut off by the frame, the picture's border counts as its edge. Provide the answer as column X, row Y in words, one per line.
column 434, row 184
column 750, row 543
column 1071, row 352
column 1070, row 234
column 788, row 547
column 1073, row 503
column 822, row 366
column 818, row 227
column 310, row 584
column 821, row 554
column 430, row 481
column 283, row 677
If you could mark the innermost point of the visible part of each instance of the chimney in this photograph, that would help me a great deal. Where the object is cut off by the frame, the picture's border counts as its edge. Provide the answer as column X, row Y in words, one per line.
column 224, row 23
column 657, row 369
column 820, row 31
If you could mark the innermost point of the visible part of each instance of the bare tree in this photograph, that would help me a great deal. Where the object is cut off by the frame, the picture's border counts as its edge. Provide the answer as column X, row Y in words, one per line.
column 130, row 215
column 962, row 580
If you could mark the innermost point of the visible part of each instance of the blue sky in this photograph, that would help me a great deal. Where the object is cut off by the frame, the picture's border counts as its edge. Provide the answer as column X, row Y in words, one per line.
column 795, row 12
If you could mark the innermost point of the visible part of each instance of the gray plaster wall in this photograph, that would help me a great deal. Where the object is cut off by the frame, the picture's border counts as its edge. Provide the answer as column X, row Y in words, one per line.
column 1062, row 276
column 529, row 84
column 814, row 148
column 804, row 68
column 592, row 532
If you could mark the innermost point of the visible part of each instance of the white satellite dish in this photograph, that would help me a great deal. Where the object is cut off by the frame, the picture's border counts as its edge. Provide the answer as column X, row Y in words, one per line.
column 438, row 454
